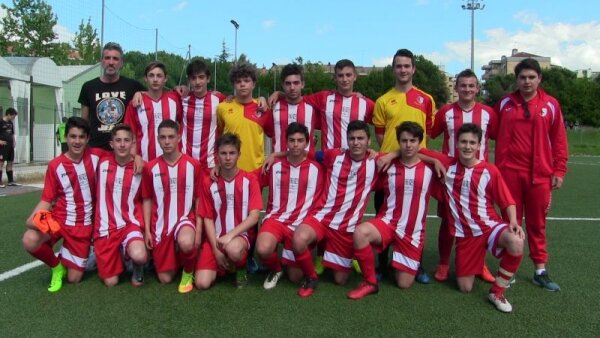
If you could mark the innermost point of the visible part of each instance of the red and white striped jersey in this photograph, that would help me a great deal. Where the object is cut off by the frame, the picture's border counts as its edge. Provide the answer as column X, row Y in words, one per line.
column 336, row 111
column 144, row 121
column 173, row 190
column 347, row 187
column 71, row 186
column 406, row 190
column 282, row 115
column 118, row 197
column 199, row 127
column 228, row 203
column 293, row 189
column 451, row 117
column 470, row 194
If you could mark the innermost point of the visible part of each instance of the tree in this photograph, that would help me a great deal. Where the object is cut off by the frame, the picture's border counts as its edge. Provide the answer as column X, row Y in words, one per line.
column 224, row 56
column 87, row 43
column 27, row 29
column 497, row 86
column 431, row 79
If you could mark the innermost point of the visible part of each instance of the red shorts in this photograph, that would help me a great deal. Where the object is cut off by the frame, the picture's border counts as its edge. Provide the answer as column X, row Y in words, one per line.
column 108, row 249
column 164, row 253
column 282, row 234
column 470, row 251
column 339, row 248
column 75, row 247
column 406, row 257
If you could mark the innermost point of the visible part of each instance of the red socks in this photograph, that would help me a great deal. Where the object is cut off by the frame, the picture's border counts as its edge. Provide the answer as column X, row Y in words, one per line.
column 509, row 265
column 305, row 261
column 45, row 254
column 366, row 260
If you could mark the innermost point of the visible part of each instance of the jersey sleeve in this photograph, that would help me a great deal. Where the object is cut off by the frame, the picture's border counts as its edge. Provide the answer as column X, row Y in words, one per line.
column 501, row 194
column 220, row 123
column 147, row 183
column 558, row 138
column 220, row 96
column 446, row 160
column 255, row 202
column 51, row 185
column 439, row 125
column 206, row 207
column 269, row 126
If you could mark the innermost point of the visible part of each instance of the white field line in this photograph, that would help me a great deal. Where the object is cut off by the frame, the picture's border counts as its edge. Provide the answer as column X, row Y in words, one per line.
column 24, row 268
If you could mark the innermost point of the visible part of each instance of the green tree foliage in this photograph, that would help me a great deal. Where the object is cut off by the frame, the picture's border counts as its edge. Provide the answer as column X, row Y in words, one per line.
column 497, row 86
column 135, row 62
column 431, row 79
column 87, row 43
column 27, row 29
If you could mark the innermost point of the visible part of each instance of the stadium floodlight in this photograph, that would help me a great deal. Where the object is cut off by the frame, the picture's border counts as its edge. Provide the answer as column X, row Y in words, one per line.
column 236, row 26
column 473, row 5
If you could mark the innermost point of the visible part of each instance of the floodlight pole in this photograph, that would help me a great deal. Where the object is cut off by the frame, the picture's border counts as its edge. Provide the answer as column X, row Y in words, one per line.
column 473, row 5
column 236, row 26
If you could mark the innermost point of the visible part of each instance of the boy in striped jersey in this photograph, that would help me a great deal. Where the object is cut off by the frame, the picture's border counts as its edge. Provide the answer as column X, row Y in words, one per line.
column 400, row 221
column 295, row 184
column 230, row 208
column 67, row 202
column 118, row 225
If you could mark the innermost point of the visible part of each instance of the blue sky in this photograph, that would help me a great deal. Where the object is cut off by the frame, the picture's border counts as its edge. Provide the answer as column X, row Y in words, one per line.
column 367, row 32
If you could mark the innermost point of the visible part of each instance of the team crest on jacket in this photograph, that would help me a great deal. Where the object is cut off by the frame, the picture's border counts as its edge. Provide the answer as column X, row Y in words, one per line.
column 420, row 100
column 544, row 111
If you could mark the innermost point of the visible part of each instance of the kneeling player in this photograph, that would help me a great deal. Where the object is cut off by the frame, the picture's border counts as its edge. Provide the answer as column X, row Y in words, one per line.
column 471, row 188
column 295, row 183
column 118, row 214
column 401, row 219
column 351, row 175
column 170, row 184
column 66, row 203
column 230, row 208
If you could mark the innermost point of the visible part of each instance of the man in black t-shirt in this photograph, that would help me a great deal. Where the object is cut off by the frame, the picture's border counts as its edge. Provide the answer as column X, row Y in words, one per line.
column 104, row 99
column 7, row 145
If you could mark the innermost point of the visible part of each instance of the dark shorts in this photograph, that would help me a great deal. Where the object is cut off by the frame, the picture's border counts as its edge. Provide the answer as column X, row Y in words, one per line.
column 7, row 153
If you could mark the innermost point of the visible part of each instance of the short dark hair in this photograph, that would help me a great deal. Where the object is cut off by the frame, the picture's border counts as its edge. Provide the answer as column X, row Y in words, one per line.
column 466, row 73
column 78, row 122
column 410, row 127
column 197, row 66
column 296, row 127
column 119, row 127
column 228, row 139
column 528, row 63
column 155, row 64
column 168, row 124
column 292, row 69
column 112, row 46
column 343, row 63
column 405, row 53
column 470, row 128
column 10, row 111
column 242, row 70
column 358, row 125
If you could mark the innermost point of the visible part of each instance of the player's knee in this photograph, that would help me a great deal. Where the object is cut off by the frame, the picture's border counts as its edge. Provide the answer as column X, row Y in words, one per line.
column 300, row 241
column 138, row 254
column 185, row 244
column 515, row 246
column 295, row 275
column 74, row 276
column 234, row 253
column 31, row 240
column 203, row 282
column 264, row 249
column 340, row 278
column 165, row 278
column 465, row 287
column 111, row 281
column 404, row 283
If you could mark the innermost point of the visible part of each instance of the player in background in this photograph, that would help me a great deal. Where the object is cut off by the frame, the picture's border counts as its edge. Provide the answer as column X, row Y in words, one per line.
column 7, row 145
column 295, row 184
column 66, row 206
column 157, row 105
column 472, row 189
column 448, row 121
column 104, row 99
column 532, row 154
column 351, row 175
column 199, row 122
column 170, row 186
column 119, row 223
column 291, row 108
column 401, row 220
column 403, row 102
column 230, row 208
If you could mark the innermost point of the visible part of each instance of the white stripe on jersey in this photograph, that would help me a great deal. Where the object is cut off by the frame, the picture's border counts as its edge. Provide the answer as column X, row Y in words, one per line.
column 189, row 196
column 356, row 213
column 160, row 202
column 330, row 99
column 214, row 192
column 313, row 174
column 482, row 210
column 173, row 200
column 144, row 124
column 135, row 186
column 102, row 179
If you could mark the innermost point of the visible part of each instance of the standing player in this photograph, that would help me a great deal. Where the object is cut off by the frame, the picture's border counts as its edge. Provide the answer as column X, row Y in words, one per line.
column 401, row 219
column 447, row 122
column 532, row 154
column 242, row 117
column 471, row 189
column 230, row 208
column 118, row 215
column 170, row 185
column 199, row 122
column 350, row 177
column 7, row 145
column 104, row 99
column 67, row 202
column 156, row 107
column 403, row 102
column 295, row 184
column 291, row 108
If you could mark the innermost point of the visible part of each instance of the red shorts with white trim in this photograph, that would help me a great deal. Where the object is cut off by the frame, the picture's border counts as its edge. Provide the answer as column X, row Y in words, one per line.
column 75, row 247
column 207, row 259
column 164, row 253
column 386, row 231
column 282, row 234
column 108, row 249
column 406, row 257
column 339, row 247
column 470, row 251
